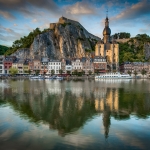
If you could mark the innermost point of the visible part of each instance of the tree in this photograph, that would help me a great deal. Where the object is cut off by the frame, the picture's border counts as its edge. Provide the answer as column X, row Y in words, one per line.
column 3, row 49
column 135, row 73
column 96, row 71
column 37, row 72
column 129, row 72
column 75, row 72
column 29, row 71
column 52, row 72
column 121, row 35
column 90, row 72
column 13, row 71
column 143, row 72
column 61, row 71
column 68, row 72
column 83, row 72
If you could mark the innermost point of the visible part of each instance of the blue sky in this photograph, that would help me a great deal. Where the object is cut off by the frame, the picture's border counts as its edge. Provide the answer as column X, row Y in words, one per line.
column 19, row 17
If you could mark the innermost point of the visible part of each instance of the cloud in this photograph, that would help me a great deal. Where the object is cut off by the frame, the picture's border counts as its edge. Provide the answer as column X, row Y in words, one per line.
column 6, row 15
column 35, row 20
column 145, row 30
column 15, row 24
column 135, row 11
column 8, row 7
column 80, row 8
column 8, row 35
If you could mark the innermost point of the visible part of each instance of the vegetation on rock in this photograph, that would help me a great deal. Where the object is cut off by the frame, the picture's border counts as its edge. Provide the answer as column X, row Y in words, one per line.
column 24, row 42
column 121, row 35
column 133, row 50
column 3, row 49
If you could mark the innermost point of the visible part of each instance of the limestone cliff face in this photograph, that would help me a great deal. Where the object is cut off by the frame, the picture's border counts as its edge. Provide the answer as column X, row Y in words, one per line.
column 64, row 39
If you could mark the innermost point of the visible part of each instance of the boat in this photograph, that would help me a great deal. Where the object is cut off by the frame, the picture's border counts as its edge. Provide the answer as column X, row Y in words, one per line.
column 37, row 77
column 116, row 75
column 48, row 77
column 59, row 78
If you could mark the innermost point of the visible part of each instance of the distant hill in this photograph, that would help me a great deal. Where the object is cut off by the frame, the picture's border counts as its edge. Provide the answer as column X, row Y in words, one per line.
column 3, row 49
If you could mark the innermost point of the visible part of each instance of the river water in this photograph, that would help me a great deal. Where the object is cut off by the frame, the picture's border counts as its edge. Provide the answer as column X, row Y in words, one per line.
column 85, row 114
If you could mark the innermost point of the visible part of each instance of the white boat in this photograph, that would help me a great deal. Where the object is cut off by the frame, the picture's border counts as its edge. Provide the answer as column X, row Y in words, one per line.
column 37, row 77
column 48, row 77
column 116, row 75
column 59, row 78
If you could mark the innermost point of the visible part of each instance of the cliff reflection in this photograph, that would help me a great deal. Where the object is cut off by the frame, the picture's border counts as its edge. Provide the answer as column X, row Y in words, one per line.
column 67, row 106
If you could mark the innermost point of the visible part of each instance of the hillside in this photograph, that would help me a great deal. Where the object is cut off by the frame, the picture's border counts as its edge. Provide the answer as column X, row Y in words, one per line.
column 64, row 39
column 134, row 50
column 3, row 49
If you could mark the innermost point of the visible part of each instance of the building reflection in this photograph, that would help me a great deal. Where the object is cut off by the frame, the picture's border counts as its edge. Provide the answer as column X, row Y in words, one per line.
column 67, row 106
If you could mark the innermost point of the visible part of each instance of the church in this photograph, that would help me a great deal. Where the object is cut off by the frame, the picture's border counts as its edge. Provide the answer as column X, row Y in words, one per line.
column 108, row 49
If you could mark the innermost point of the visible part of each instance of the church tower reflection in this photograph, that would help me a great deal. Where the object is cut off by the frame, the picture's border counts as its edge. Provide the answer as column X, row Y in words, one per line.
column 107, row 103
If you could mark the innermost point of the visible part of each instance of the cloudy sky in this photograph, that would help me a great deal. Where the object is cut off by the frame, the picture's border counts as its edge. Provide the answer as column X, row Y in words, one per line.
column 19, row 17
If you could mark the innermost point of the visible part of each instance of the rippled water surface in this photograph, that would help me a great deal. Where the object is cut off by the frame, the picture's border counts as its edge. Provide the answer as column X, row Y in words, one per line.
column 44, row 114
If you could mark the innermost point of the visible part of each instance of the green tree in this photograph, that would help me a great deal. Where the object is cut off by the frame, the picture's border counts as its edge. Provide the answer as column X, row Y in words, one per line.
column 3, row 49
column 90, row 72
column 83, row 72
column 68, row 72
column 97, row 71
column 29, row 71
column 75, row 72
column 13, row 71
column 143, row 72
column 52, row 72
column 135, row 73
column 37, row 72
column 129, row 72
column 60, row 71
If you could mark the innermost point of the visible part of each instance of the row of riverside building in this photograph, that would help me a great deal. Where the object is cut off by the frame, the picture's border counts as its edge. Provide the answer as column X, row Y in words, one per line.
column 67, row 66
column 45, row 65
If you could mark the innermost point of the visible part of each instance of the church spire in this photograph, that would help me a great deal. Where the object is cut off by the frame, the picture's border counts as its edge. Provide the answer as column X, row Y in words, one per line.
column 106, row 31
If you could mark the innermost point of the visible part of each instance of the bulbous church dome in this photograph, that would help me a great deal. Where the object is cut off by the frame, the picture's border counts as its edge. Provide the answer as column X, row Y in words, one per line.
column 106, row 31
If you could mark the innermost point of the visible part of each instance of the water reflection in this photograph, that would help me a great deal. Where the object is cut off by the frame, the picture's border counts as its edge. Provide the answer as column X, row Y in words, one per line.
column 66, row 106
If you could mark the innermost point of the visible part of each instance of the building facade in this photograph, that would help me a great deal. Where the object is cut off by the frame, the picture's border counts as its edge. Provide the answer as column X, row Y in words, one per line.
column 36, row 66
column 8, row 61
column 54, row 65
column 88, row 66
column 100, row 64
column 1, row 64
column 68, row 67
column 44, row 65
column 77, row 65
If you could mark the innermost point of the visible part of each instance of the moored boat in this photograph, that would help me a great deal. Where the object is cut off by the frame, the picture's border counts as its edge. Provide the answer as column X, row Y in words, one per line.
column 37, row 77
column 116, row 75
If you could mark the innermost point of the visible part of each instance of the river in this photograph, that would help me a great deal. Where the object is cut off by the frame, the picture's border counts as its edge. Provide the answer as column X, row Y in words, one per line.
column 80, row 114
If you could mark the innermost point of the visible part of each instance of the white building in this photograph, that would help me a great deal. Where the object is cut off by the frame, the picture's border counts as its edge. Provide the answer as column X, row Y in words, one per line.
column 54, row 65
column 1, row 64
column 77, row 64
column 68, row 67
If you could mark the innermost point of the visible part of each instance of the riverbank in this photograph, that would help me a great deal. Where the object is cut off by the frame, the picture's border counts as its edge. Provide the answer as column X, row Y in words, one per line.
column 68, row 77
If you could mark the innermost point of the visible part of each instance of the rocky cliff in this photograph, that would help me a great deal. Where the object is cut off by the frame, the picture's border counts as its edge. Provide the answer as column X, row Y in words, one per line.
column 64, row 39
